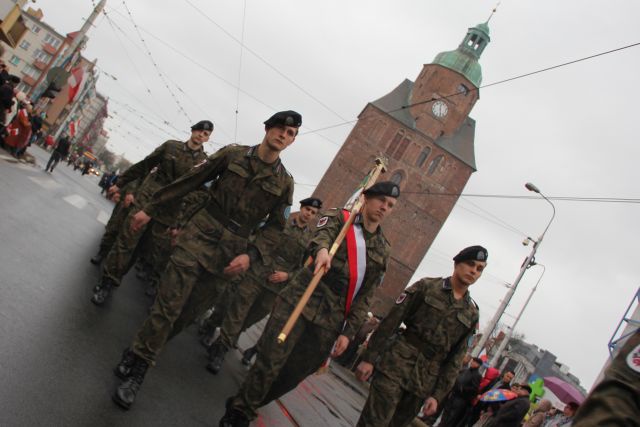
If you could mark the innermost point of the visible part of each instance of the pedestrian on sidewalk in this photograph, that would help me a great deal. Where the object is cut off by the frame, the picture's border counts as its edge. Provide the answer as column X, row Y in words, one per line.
column 60, row 151
column 421, row 365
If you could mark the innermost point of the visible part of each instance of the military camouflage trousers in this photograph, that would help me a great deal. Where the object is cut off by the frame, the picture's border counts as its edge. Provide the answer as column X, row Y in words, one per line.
column 186, row 290
column 389, row 404
column 279, row 368
column 159, row 250
column 118, row 215
column 123, row 252
column 249, row 303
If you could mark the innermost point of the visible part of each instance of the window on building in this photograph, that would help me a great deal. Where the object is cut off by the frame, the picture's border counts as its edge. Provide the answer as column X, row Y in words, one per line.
column 31, row 71
column 25, row 45
column 401, row 148
column 35, row 29
column 14, row 60
column 42, row 56
column 434, row 164
column 23, row 87
column 397, row 177
column 394, row 142
column 53, row 41
column 423, row 157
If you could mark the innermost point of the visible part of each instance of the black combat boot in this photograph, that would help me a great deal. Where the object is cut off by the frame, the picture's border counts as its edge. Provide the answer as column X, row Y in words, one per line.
column 123, row 369
column 233, row 418
column 216, row 356
column 248, row 355
column 97, row 258
column 102, row 291
column 126, row 392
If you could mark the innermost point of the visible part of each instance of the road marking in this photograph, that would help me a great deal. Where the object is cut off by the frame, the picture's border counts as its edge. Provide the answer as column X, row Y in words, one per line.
column 103, row 217
column 46, row 183
column 76, row 200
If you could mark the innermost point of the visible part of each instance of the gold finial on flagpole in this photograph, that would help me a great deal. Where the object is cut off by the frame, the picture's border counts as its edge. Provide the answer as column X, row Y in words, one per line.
column 495, row 9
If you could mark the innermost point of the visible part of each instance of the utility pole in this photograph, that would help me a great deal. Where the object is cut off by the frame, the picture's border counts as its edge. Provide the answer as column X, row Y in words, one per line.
column 509, row 334
column 488, row 330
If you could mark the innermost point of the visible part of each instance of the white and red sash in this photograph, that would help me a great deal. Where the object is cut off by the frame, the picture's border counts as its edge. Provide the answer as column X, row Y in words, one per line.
column 357, row 259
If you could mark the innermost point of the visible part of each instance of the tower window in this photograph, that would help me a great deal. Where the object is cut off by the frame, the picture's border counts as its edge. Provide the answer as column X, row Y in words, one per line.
column 423, row 157
column 401, row 148
column 434, row 164
column 397, row 177
column 463, row 89
column 391, row 148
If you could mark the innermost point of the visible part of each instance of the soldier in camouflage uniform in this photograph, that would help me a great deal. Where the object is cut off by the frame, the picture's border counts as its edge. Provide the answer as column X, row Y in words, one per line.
column 615, row 401
column 278, row 255
column 249, row 185
column 120, row 211
column 424, row 361
column 166, row 164
column 325, row 322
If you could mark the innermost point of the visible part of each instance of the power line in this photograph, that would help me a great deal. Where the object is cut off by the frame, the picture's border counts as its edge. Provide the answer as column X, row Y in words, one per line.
column 542, row 70
column 267, row 63
column 155, row 65
column 217, row 76
column 113, row 27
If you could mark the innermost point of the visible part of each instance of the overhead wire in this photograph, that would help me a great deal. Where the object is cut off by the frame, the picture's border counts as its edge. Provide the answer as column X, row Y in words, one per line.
column 264, row 61
column 113, row 27
column 155, row 65
column 244, row 17
column 220, row 78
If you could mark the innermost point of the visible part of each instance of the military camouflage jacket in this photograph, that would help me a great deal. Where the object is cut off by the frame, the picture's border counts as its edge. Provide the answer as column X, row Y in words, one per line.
column 280, row 251
column 326, row 307
column 245, row 191
column 427, row 357
column 164, row 165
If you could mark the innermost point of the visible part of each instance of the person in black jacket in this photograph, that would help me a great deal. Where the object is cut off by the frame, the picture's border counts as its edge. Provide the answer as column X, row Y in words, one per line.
column 60, row 152
column 513, row 412
column 465, row 388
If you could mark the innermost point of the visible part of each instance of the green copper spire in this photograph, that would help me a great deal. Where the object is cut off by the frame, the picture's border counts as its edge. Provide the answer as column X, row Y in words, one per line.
column 464, row 59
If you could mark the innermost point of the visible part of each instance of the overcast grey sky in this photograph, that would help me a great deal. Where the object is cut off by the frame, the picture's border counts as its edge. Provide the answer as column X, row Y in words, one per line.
column 569, row 131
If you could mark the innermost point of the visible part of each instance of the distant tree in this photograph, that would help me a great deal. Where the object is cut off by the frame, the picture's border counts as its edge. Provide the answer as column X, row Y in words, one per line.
column 123, row 164
column 108, row 158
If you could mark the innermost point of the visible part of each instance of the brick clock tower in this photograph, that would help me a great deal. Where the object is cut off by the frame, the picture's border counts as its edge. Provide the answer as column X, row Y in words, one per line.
column 425, row 131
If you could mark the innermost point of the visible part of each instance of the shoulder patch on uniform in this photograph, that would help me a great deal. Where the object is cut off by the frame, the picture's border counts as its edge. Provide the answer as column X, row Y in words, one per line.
column 401, row 298
column 322, row 221
column 633, row 359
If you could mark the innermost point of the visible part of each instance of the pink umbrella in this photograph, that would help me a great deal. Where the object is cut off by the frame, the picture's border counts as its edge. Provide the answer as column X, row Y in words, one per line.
column 563, row 390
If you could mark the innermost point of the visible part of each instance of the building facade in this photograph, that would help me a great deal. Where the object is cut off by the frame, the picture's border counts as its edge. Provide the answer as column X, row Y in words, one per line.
column 424, row 130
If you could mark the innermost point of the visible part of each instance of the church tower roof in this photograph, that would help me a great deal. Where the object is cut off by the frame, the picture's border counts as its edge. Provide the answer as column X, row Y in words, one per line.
column 464, row 59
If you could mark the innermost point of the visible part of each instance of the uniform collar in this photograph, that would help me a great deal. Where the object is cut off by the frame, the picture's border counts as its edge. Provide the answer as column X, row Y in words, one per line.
column 253, row 152
column 185, row 147
column 446, row 287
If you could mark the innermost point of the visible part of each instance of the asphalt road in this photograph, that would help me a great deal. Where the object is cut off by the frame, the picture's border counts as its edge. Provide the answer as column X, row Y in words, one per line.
column 57, row 350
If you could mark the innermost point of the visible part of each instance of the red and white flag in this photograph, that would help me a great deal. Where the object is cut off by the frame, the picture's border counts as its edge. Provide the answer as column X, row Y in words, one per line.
column 76, row 82
column 73, row 127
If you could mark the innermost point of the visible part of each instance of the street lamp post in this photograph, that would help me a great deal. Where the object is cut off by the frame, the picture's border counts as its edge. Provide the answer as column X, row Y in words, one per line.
column 509, row 334
column 525, row 265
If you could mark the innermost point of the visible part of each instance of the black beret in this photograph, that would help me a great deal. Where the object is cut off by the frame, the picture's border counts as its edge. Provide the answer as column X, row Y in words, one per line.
column 284, row 118
column 384, row 188
column 13, row 78
column 311, row 201
column 203, row 125
column 475, row 253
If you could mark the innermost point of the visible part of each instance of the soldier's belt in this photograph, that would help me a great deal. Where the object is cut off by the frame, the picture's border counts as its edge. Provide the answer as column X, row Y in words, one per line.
column 228, row 223
column 414, row 340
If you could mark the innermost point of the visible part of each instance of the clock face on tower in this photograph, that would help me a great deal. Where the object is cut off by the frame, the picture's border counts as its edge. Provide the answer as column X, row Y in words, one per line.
column 439, row 109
